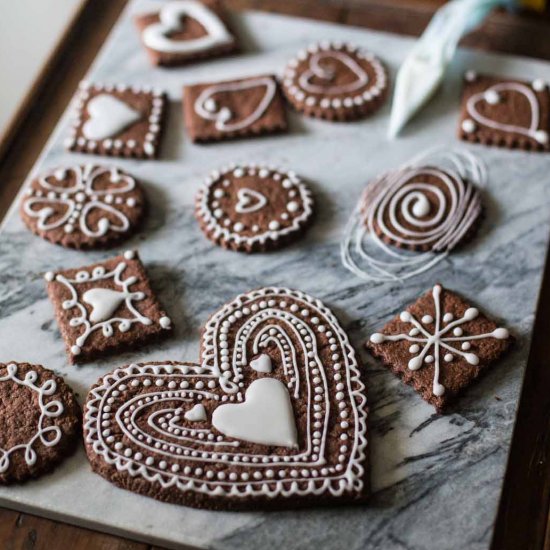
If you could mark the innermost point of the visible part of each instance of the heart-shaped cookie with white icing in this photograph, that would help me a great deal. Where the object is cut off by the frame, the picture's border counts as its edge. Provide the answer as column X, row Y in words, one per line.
column 230, row 433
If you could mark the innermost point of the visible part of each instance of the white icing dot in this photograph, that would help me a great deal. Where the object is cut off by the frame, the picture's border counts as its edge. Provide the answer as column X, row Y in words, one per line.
column 539, row 85
column 292, row 206
column 131, row 202
column 49, row 275
column 69, row 228
column 75, row 350
column 541, row 136
column 466, row 346
column 491, row 97
column 448, row 357
column 129, row 254
column 468, row 125
column 218, row 193
column 274, row 225
column 427, row 319
column 470, row 76
column 448, row 317
column 458, row 331
column 238, row 226
column 165, row 322
column 429, row 359
column 415, row 348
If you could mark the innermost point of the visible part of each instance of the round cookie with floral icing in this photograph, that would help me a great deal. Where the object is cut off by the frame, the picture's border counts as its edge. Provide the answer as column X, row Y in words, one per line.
column 273, row 415
column 335, row 81
column 39, row 421
column 83, row 207
column 253, row 208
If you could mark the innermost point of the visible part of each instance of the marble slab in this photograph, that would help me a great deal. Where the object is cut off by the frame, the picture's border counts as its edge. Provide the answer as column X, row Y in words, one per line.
column 436, row 479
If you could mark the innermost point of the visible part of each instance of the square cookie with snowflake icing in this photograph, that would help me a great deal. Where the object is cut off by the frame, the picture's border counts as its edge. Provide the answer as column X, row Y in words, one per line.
column 439, row 345
column 232, row 109
column 106, row 307
column 117, row 120
column 505, row 112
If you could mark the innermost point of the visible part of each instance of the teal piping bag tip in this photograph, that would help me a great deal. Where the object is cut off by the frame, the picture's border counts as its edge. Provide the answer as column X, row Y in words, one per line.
column 424, row 68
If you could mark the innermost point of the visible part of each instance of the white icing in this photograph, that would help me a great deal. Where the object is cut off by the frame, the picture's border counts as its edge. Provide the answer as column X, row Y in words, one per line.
column 468, row 125
column 172, row 19
column 108, row 117
column 206, row 107
column 439, row 340
column 46, row 434
column 196, row 414
column 265, row 416
column 262, row 363
column 78, row 201
column 104, row 302
column 249, row 200
column 321, row 68
column 492, row 94
column 166, row 452
column 436, row 219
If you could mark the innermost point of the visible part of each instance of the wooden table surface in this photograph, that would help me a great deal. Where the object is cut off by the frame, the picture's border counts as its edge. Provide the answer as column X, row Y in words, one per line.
column 523, row 517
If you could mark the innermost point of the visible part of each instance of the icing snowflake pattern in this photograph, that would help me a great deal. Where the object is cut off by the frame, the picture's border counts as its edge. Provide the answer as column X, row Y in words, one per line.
column 447, row 339
column 104, row 302
column 46, row 435
column 77, row 201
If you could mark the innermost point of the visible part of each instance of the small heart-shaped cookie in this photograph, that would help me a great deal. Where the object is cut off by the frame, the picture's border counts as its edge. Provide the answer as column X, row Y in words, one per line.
column 279, row 439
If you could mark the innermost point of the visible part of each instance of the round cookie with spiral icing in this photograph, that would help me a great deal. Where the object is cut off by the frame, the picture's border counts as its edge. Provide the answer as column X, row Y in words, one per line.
column 335, row 81
column 39, row 421
column 83, row 207
column 422, row 208
column 252, row 208
column 272, row 415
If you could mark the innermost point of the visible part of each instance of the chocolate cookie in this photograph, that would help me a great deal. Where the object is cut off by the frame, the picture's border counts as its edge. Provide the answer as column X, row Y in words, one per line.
column 39, row 421
column 505, row 112
column 106, row 307
column 335, row 81
column 238, row 108
column 184, row 31
column 273, row 416
column 253, row 208
column 117, row 121
column 439, row 345
column 422, row 208
column 83, row 206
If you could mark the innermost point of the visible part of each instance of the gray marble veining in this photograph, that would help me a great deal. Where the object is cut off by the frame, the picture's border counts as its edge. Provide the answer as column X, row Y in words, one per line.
column 436, row 479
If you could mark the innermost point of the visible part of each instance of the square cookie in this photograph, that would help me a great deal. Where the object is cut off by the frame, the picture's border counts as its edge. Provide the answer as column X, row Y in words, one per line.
column 185, row 31
column 439, row 345
column 505, row 112
column 117, row 120
column 106, row 307
column 232, row 109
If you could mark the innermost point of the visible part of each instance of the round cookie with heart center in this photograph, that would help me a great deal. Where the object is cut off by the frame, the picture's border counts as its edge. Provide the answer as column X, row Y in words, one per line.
column 253, row 208
column 273, row 415
column 83, row 207
column 335, row 81
column 39, row 421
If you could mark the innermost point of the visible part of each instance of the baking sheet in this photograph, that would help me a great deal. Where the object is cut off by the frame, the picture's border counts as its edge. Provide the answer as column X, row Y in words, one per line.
column 436, row 479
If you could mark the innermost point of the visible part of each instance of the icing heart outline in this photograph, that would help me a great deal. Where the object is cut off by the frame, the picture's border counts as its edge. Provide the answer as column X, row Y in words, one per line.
column 222, row 116
column 196, row 414
column 244, row 198
column 225, row 470
column 104, row 302
column 532, row 131
column 109, row 116
column 155, row 36
column 315, row 69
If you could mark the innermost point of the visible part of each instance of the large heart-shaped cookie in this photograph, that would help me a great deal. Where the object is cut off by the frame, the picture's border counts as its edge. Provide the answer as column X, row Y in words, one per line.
column 285, row 437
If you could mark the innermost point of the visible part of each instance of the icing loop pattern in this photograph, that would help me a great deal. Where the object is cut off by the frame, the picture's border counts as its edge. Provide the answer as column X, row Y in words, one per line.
column 73, row 198
column 237, row 425
column 442, row 337
column 428, row 207
column 46, row 434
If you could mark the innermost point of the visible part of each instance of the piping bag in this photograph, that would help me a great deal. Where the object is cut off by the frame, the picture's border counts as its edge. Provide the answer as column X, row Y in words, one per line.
column 424, row 68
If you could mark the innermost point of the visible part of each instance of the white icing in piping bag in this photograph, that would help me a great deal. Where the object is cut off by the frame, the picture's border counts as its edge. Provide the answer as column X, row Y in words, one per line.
column 422, row 71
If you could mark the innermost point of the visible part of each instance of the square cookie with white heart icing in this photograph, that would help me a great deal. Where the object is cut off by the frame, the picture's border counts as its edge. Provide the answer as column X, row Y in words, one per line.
column 273, row 415
column 232, row 109
column 106, row 307
column 186, row 30
column 439, row 345
column 117, row 120
column 505, row 112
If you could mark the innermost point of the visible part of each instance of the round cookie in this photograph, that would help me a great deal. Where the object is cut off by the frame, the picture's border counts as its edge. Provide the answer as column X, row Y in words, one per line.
column 253, row 208
column 422, row 208
column 83, row 207
column 39, row 421
column 273, row 415
column 335, row 81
